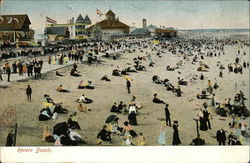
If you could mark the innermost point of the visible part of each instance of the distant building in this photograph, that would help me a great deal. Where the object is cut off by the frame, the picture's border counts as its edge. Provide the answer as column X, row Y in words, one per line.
column 110, row 25
column 80, row 30
column 57, row 33
column 140, row 32
column 151, row 28
column 165, row 32
column 15, row 29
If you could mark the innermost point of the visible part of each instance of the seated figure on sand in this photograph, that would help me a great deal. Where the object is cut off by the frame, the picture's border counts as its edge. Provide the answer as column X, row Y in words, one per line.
column 47, row 99
column 103, row 135
column 86, row 84
column 140, row 67
column 84, row 99
column 45, row 114
column 82, row 108
column 105, row 77
column 73, row 72
column 128, row 130
column 182, row 81
column 156, row 79
column 122, row 107
column 203, row 95
column 116, row 72
column 72, row 122
column 61, row 89
column 58, row 108
column 168, row 85
column 157, row 100
column 58, row 74
column 170, row 68
column 75, row 137
column 130, row 69
column 47, row 136
column 177, row 91
column 115, row 109
column 66, row 135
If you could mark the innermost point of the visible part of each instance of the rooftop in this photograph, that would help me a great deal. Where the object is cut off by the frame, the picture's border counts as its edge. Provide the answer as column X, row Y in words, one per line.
column 13, row 22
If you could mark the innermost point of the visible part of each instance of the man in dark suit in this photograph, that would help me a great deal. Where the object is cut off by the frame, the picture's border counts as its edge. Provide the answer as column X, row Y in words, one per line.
column 206, row 116
column 167, row 114
column 221, row 137
column 29, row 92
column 128, row 86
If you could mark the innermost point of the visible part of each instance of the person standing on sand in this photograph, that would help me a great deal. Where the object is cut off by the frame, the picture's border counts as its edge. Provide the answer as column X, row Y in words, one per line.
column 49, row 60
column 28, row 93
column 206, row 116
column 221, row 137
column 176, row 139
column 210, row 88
column 128, row 85
column 167, row 114
column 1, row 74
column 162, row 136
column 8, row 71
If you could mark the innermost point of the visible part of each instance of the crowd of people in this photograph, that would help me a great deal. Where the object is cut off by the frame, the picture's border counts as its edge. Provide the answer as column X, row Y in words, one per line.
column 187, row 50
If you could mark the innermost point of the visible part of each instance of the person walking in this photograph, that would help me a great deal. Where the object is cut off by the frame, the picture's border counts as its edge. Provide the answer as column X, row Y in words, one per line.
column 1, row 74
column 221, row 137
column 167, row 114
column 128, row 85
column 8, row 71
column 49, row 60
column 176, row 139
column 28, row 93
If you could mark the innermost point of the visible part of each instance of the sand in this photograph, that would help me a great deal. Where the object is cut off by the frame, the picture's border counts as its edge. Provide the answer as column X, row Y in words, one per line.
column 105, row 94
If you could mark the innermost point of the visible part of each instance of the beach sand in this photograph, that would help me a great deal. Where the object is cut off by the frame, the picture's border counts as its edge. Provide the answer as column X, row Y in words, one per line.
column 183, row 109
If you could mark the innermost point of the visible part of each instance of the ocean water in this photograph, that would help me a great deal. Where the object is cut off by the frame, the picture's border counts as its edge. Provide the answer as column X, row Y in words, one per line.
column 216, row 30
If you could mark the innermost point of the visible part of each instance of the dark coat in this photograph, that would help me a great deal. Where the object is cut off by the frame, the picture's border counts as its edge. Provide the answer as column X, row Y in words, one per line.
column 203, row 124
column 176, row 139
column 28, row 91
column 221, row 136
column 167, row 112
column 104, row 135
column 206, row 114
column 128, row 84
column 132, row 118
column 60, row 129
column 9, row 141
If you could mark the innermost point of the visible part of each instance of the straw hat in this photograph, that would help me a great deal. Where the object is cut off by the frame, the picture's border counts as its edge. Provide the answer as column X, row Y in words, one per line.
column 163, row 123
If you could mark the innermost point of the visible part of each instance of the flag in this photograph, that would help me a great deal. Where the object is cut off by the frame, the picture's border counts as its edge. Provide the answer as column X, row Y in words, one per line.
column 1, row 19
column 49, row 20
column 1, row 3
column 98, row 12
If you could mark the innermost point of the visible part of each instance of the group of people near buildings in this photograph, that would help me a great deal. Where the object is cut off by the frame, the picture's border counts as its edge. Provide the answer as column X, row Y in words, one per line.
column 65, row 133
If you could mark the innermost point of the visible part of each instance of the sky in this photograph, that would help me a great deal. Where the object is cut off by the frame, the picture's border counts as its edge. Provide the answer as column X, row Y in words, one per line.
column 169, row 13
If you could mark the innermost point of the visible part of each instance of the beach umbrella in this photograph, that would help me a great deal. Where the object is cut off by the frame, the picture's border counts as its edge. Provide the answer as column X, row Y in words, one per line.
column 111, row 118
column 60, row 129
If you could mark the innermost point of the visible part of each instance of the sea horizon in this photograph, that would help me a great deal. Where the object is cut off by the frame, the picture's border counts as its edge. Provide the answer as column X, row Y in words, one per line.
column 217, row 30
